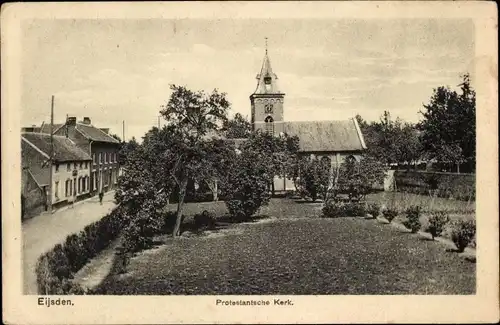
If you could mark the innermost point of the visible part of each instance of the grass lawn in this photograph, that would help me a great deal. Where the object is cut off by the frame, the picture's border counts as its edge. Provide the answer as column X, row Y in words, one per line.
column 295, row 252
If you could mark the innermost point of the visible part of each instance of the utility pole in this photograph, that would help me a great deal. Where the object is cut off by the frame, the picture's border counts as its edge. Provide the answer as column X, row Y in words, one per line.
column 123, row 130
column 51, row 153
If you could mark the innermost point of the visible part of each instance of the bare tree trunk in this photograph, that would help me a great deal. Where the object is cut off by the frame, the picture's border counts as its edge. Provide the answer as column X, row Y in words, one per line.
column 180, row 203
column 215, row 191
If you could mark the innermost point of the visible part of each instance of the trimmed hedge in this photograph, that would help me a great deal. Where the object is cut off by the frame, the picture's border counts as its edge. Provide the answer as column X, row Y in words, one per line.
column 56, row 268
column 447, row 185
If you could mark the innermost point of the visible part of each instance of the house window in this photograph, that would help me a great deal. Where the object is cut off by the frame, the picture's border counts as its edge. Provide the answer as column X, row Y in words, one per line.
column 74, row 166
column 88, row 183
column 93, row 158
column 68, row 167
column 86, row 165
column 81, row 165
column 56, row 192
column 66, row 193
column 57, row 168
column 70, row 187
column 79, row 185
column 269, row 127
column 100, row 158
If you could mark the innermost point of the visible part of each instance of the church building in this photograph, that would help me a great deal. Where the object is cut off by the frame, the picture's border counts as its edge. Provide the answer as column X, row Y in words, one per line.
column 335, row 140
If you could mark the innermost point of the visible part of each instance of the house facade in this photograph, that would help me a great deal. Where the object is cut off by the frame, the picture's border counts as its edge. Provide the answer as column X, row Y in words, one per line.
column 335, row 140
column 96, row 142
column 70, row 172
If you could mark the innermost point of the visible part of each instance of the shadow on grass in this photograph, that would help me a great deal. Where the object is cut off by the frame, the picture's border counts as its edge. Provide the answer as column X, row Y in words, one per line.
column 425, row 239
column 301, row 201
column 227, row 219
column 471, row 259
column 453, row 250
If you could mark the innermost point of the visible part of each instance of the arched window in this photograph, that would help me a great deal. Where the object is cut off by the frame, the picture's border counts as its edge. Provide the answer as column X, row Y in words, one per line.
column 269, row 125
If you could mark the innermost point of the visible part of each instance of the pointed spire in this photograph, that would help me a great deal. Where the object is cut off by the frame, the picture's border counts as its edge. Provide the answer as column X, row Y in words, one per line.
column 267, row 80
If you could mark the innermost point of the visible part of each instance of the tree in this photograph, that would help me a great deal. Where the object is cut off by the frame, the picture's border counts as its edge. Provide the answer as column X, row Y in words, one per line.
column 193, row 116
column 356, row 179
column 280, row 153
column 125, row 149
column 315, row 177
column 391, row 141
column 246, row 184
column 449, row 125
column 238, row 127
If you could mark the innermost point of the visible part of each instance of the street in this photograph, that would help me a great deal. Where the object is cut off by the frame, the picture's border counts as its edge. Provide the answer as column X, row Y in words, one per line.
column 43, row 232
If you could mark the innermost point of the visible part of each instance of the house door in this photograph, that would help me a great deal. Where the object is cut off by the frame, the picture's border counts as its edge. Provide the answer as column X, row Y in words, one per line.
column 74, row 187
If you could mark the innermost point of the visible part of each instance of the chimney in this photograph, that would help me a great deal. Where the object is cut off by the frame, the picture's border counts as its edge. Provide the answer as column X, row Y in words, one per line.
column 71, row 120
column 86, row 120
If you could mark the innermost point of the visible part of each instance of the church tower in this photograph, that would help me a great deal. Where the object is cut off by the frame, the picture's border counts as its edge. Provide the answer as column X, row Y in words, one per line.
column 267, row 101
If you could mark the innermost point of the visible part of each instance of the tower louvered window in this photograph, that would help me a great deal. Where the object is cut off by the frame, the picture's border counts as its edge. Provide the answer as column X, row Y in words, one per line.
column 269, row 127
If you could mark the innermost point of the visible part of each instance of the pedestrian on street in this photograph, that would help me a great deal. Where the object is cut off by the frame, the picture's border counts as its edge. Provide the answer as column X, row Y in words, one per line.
column 101, row 195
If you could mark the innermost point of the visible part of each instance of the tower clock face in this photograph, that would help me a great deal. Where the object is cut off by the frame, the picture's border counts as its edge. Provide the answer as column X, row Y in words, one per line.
column 269, row 108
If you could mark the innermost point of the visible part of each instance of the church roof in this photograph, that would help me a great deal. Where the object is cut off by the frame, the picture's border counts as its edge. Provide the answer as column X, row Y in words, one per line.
column 266, row 72
column 319, row 136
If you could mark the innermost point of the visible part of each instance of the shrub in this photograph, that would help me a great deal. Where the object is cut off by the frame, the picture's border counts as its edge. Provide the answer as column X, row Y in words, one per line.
column 333, row 209
column 337, row 209
column 390, row 214
column 374, row 210
column 355, row 209
column 204, row 219
column 462, row 233
column 147, row 223
column 437, row 222
column 412, row 221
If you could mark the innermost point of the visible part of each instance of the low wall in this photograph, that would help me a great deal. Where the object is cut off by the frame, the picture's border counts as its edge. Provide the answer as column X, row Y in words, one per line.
column 448, row 185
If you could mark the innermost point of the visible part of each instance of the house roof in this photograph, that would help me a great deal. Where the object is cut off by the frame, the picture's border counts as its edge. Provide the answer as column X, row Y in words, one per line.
column 64, row 148
column 95, row 134
column 40, row 175
column 327, row 135
column 267, row 72
column 45, row 128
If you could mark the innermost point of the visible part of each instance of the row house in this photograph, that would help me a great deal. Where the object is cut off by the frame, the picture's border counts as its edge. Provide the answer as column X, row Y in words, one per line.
column 102, row 148
column 70, row 172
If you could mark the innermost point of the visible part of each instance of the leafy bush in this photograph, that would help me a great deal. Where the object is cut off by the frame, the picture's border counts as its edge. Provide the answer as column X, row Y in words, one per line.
column 314, row 178
column 355, row 209
column 374, row 210
column 412, row 221
column 437, row 222
column 246, row 187
column 204, row 219
column 337, row 209
column 462, row 233
column 147, row 223
column 357, row 179
column 333, row 209
column 55, row 268
column 390, row 214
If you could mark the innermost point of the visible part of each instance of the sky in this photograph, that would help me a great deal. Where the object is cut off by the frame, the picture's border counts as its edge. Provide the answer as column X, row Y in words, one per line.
column 118, row 70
